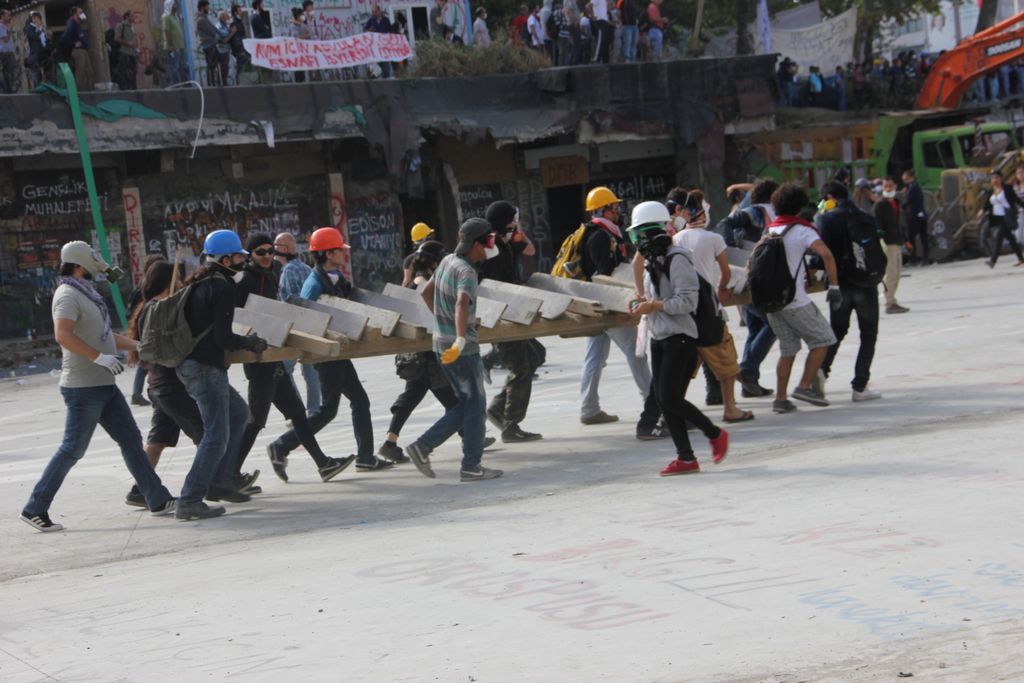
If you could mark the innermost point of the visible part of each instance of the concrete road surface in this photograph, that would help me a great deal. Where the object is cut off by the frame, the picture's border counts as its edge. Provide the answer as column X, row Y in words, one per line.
column 851, row 543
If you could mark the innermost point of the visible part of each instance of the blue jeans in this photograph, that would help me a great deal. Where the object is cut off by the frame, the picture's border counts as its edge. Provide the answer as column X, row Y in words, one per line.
column 312, row 378
column 466, row 376
column 139, row 383
column 657, row 39
column 88, row 407
column 593, row 364
column 630, row 38
column 760, row 339
column 225, row 415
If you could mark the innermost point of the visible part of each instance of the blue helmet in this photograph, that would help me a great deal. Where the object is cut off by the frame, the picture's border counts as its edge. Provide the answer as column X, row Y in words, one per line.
column 223, row 243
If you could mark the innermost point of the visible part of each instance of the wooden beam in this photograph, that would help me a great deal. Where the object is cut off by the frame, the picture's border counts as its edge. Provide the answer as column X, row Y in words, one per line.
column 348, row 324
column 311, row 343
column 269, row 356
column 552, row 305
column 615, row 299
column 303, row 319
column 385, row 321
column 271, row 329
column 412, row 312
column 519, row 308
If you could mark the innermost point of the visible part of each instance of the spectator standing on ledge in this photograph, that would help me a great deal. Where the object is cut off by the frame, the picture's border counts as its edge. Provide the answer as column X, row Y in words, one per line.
column 378, row 23
column 656, row 33
column 8, row 58
column 481, row 35
column 40, row 51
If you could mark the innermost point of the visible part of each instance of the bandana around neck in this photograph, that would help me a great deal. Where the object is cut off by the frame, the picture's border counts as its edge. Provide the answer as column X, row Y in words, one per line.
column 89, row 290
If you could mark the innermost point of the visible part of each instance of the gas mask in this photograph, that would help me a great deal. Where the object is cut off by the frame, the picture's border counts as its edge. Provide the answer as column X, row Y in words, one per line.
column 82, row 254
column 679, row 223
column 650, row 240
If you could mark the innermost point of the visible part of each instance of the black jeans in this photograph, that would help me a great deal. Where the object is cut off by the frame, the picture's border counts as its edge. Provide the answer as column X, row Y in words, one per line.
column 413, row 394
column 338, row 378
column 863, row 300
column 520, row 359
column 652, row 411
column 918, row 227
column 673, row 361
column 1004, row 230
column 270, row 383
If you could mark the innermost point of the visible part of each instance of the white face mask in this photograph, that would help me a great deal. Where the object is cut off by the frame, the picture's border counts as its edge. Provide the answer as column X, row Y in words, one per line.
column 490, row 252
column 334, row 277
column 238, row 277
column 889, row 194
column 679, row 223
column 81, row 17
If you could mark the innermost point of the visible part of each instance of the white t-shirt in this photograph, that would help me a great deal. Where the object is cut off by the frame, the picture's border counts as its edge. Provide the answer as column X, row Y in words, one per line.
column 706, row 246
column 600, row 10
column 481, row 36
column 798, row 240
column 1000, row 205
column 536, row 30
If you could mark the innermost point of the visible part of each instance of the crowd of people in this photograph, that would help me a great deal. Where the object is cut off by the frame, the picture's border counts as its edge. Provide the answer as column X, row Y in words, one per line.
column 682, row 276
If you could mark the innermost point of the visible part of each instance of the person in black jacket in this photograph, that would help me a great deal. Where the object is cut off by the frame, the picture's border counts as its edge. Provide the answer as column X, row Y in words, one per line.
column 40, row 50
column 887, row 215
column 210, row 312
column 337, row 377
column 508, row 408
column 269, row 383
column 917, row 217
column 862, row 300
column 1002, row 206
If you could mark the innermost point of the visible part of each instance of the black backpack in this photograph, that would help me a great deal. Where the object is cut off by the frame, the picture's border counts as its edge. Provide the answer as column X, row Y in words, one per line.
column 772, row 285
column 708, row 316
column 863, row 259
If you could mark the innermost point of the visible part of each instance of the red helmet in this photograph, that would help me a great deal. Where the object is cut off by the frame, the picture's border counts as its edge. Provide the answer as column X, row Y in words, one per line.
column 325, row 239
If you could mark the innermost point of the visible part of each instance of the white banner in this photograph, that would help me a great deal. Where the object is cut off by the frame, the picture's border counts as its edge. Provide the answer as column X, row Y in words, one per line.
column 826, row 45
column 292, row 54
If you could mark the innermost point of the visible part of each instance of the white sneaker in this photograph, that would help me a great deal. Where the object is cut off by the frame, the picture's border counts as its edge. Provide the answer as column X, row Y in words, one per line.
column 866, row 395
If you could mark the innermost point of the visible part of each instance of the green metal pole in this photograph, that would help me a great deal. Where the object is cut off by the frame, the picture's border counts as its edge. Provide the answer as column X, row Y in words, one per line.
column 90, row 183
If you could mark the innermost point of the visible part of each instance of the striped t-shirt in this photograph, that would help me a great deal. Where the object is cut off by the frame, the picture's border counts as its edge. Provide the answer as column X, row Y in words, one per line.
column 454, row 276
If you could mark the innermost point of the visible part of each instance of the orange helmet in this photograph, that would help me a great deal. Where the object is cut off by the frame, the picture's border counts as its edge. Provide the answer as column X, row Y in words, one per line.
column 325, row 239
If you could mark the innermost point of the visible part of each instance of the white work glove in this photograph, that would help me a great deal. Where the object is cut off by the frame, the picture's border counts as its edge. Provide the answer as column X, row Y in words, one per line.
column 109, row 362
column 454, row 351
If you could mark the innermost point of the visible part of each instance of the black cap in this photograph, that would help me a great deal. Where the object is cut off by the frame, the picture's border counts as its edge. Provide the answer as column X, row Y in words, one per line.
column 500, row 213
column 470, row 232
column 256, row 239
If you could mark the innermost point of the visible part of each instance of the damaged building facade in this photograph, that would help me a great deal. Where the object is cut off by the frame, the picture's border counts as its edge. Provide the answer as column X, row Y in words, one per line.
column 369, row 157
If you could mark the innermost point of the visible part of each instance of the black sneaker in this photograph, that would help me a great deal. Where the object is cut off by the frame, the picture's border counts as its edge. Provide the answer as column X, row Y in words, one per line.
column 654, row 433
column 489, row 441
column 813, row 396
column 373, row 463
column 278, row 462
column 393, row 452
column 217, row 494
column 198, row 510
column 420, row 457
column 244, row 481
column 496, row 418
column 140, row 401
column 135, row 498
column 41, row 522
column 751, row 389
column 599, row 419
column 514, row 434
column 334, row 467
column 479, row 474
column 713, row 400
column 166, row 509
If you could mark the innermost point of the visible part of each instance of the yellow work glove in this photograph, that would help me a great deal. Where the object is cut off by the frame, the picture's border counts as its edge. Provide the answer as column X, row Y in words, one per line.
column 452, row 354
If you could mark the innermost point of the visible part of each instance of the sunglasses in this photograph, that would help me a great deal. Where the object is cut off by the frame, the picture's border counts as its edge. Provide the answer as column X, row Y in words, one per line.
column 263, row 252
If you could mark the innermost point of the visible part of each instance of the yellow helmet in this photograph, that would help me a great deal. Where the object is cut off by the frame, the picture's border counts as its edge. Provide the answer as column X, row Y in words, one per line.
column 420, row 232
column 600, row 197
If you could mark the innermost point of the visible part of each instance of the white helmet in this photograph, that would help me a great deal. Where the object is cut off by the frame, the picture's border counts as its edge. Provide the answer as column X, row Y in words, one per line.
column 649, row 212
column 82, row 254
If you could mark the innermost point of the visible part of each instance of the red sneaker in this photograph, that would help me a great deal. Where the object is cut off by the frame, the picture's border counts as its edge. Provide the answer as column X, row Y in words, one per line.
column 681, row 467
column 720, row 447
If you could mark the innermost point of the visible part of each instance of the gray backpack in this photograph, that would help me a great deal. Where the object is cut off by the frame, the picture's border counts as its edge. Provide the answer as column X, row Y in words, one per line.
column 166, row 336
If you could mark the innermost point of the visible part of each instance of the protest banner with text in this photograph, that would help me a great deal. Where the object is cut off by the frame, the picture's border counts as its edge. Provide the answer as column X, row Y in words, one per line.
column 292, row 54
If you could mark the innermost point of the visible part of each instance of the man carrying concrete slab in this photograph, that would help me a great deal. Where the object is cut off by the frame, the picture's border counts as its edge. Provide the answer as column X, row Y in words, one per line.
column 451, row 296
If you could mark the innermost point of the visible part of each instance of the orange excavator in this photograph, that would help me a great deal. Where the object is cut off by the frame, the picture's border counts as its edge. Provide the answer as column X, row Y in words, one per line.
column 956, row 70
